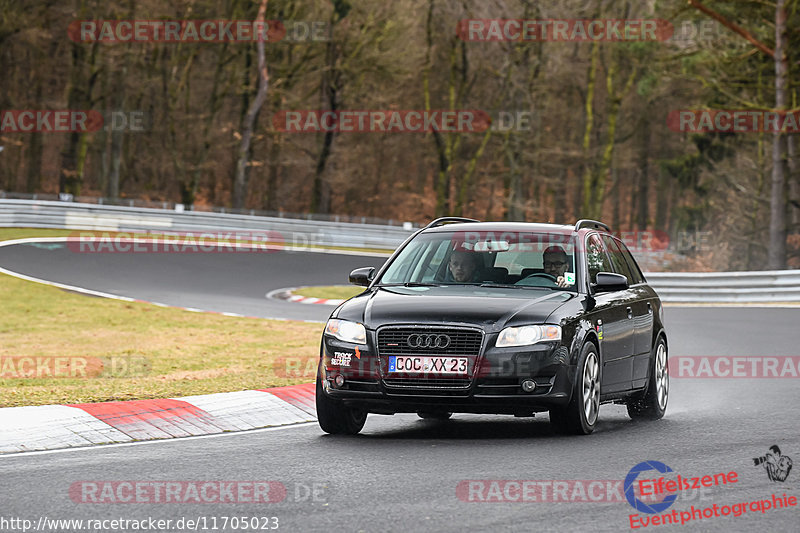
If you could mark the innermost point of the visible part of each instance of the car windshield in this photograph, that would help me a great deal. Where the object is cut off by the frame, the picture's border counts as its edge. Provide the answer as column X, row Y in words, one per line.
column 488, row 258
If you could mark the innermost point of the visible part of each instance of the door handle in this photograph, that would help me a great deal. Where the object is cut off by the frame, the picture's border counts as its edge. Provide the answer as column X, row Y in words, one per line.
column 630, row 312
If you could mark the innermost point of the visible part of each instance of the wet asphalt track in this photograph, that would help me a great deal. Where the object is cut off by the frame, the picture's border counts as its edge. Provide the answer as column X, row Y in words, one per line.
column 401, row 473
column 223, row 282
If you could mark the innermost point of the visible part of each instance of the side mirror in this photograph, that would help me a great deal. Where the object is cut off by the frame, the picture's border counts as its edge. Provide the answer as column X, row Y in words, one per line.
column 609, row 282
column 362, row 276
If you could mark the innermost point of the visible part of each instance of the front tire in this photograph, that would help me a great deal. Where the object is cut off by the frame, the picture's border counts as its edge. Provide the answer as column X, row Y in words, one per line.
column 653, row 404
column 336, row 418
column 580, row 415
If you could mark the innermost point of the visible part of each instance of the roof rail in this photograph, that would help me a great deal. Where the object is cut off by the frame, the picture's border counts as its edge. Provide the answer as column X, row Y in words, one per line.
column 441, row 221
column 588, row 223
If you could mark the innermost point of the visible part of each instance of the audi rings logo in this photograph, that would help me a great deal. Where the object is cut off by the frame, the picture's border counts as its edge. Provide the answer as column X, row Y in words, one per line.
column 428, row 341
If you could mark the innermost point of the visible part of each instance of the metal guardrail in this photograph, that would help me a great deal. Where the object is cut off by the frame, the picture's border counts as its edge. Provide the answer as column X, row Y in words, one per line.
column 720, row 287
column 81, row 216
column 172, row 206
column 729, row 287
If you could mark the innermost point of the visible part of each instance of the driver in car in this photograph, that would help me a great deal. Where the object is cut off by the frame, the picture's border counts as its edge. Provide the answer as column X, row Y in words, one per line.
column 555, row 264
column 464, row 266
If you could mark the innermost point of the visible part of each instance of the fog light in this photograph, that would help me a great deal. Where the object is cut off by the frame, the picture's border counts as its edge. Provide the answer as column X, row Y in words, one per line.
column 528, row 385
column 339, row 380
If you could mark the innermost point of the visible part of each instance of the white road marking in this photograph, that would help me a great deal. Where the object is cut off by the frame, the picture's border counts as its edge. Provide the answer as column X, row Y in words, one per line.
column 102, row 447
column 100, row 294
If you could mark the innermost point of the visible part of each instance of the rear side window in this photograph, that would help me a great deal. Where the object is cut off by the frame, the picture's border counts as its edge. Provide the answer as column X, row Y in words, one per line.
column 618, row 260
column 635, row 270
column 596, row 257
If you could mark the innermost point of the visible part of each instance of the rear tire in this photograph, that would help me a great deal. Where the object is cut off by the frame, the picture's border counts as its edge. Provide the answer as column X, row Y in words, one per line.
column 579, row 417
column 336, row 418
column 434, row 416
column 653, row 404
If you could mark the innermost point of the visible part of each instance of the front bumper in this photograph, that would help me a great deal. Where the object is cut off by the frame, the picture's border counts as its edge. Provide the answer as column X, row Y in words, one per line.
column 493, row 383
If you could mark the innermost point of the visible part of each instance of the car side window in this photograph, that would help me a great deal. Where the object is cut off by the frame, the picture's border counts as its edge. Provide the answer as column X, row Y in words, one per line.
column 432, row 263
column 617, row 259
column 596, row 257
column 635, row 270
column 401, row 271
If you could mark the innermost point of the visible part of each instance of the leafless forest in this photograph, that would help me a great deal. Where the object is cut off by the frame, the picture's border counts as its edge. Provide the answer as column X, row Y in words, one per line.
column 590, row 135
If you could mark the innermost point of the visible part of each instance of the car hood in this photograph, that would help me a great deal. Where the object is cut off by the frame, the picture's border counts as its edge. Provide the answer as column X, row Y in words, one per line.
column 490, row 308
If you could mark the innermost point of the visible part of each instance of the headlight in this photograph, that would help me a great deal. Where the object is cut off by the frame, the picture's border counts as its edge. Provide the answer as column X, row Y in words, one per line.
column 346, row 331
column 526, row 335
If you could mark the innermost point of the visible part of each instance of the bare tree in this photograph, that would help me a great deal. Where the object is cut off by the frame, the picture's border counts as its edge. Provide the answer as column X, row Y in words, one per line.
column 776, row 256
column 777, row 220
column 241, row 178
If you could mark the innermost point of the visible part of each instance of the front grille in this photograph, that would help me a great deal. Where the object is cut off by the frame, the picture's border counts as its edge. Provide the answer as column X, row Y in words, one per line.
column 434, row 384
column 460, row 342
column 395, row 341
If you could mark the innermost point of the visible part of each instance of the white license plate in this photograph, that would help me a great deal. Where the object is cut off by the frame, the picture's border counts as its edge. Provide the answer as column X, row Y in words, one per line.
column 439, row 365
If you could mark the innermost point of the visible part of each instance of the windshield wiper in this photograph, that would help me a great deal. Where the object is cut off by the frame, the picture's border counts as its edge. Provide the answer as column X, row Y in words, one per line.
column 507, row 286
column 410, row 284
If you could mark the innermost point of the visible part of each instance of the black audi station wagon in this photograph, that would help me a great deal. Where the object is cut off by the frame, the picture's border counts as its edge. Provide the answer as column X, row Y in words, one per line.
column 504, row 318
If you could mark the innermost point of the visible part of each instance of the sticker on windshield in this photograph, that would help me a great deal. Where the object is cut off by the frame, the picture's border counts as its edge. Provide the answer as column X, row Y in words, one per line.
column 569, row 277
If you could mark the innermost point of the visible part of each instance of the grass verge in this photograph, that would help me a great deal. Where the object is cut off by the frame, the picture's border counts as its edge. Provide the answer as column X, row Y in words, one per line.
column 171, row 352
column 335, row 292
